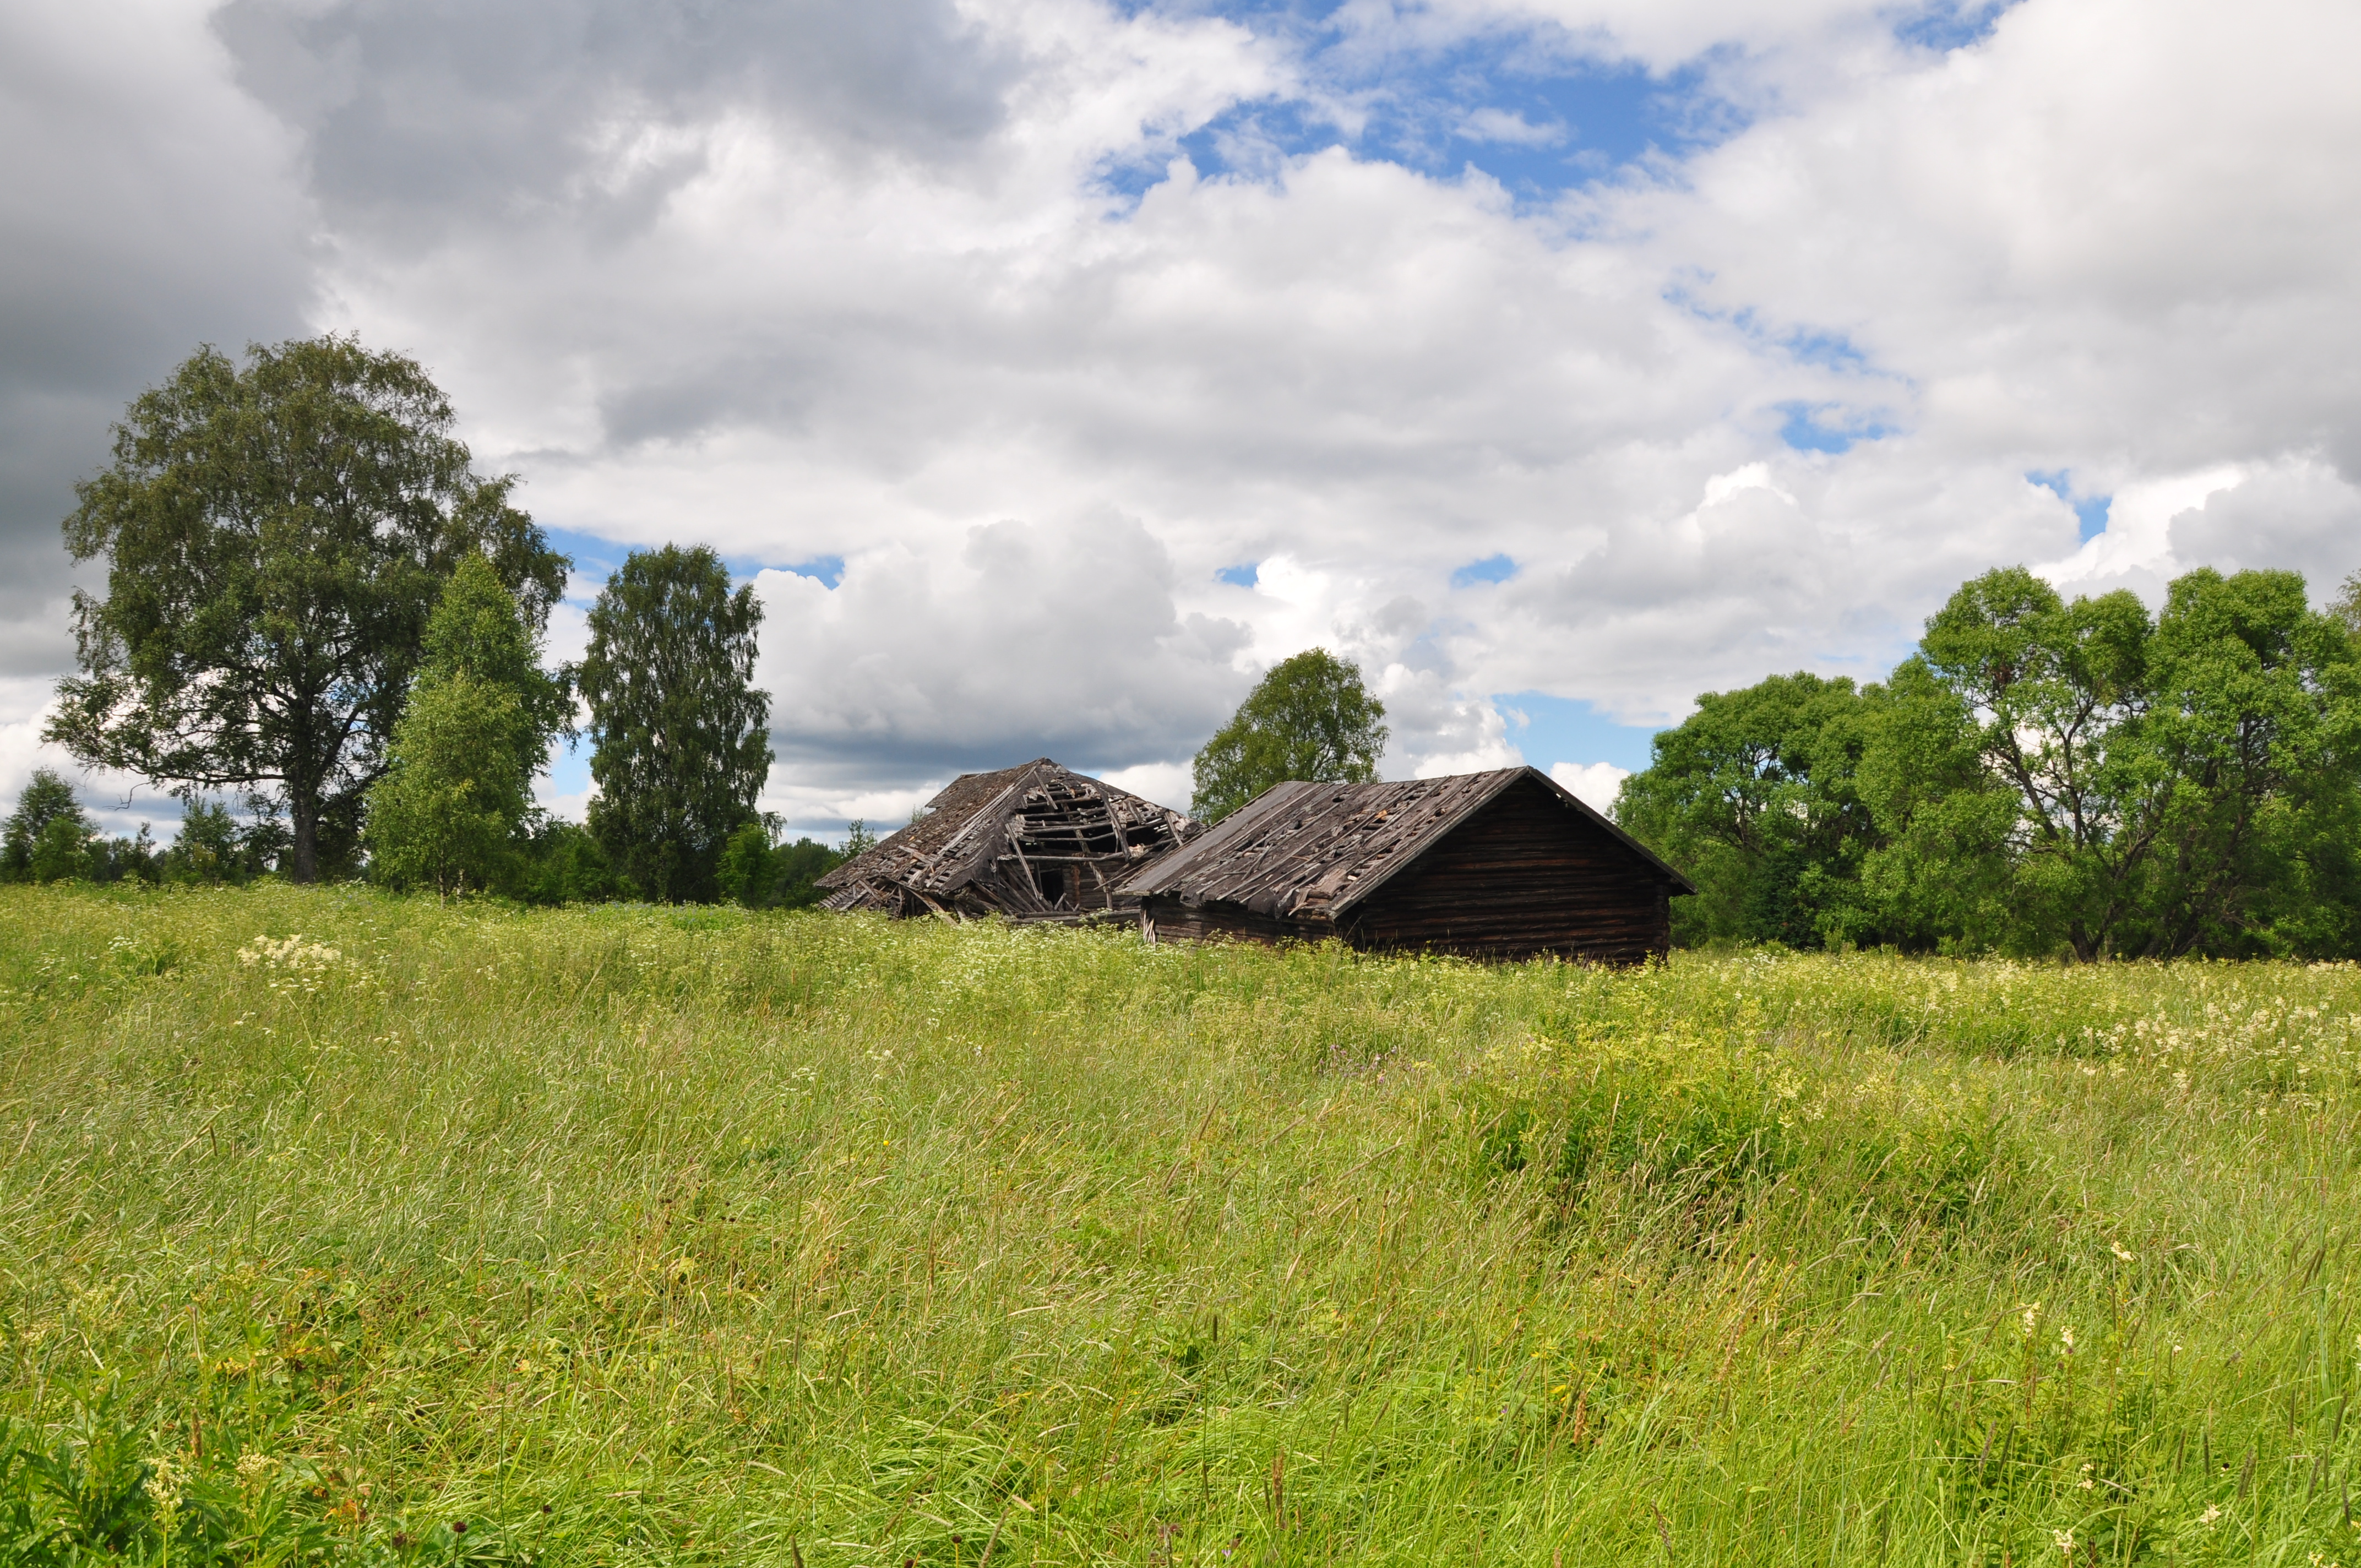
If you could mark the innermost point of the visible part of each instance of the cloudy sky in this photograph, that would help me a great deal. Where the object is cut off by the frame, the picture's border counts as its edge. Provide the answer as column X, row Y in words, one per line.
column 1053, row 366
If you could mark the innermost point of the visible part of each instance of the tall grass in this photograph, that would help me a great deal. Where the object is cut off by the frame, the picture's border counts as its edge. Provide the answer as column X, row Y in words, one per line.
column 630, row 1235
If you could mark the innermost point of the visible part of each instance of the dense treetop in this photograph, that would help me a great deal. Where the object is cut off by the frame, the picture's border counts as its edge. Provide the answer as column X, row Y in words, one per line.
column 275, row 534
column 2044, row 776
column 1310, row 717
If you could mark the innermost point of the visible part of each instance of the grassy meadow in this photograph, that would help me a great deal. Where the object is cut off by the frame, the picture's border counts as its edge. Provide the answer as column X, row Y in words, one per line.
column 341, row 1228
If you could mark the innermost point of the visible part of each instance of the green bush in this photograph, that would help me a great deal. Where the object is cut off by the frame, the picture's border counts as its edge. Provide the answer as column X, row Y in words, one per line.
column 564, row 863
column 760, row 874
column 94, row 1491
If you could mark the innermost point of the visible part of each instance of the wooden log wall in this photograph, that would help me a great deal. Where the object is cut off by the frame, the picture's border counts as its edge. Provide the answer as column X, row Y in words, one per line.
column 1166, row 918
column 1524, row 877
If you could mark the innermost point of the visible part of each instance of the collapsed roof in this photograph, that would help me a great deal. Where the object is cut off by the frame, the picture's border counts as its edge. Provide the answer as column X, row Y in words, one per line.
column 1035, row 842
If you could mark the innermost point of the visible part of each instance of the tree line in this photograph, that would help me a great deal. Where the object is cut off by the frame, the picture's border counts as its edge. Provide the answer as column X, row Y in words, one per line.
column 2043, row 777
column 315, row 605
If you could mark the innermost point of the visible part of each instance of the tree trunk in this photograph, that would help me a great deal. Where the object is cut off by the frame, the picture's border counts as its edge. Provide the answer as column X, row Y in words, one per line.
column 303, row 814
column 302, row 781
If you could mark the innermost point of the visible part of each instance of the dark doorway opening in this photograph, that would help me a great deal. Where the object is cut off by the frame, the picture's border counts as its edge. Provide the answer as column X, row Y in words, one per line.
column 1053, row 884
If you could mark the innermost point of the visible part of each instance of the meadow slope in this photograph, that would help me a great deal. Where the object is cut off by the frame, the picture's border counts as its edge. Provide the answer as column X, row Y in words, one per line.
column 331, row 1222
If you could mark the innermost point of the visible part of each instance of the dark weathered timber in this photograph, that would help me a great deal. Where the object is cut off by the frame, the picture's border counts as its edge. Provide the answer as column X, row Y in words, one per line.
column 1036, row 842
column 1498, row 865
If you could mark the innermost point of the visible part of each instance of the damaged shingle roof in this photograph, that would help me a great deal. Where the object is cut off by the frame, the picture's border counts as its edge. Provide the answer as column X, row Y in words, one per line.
column 989, row 841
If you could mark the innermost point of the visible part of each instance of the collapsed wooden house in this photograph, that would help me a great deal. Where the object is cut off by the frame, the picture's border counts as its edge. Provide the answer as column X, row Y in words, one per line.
column 1498, row 865
column 1036, row 842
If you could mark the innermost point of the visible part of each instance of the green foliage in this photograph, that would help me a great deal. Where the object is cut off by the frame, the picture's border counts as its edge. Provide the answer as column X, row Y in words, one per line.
column 1755, row 795
column 61, row 850
column 95, row 1493
column 761, row 874
column 2346, row 609
column 2183, row 785
column 275, row 535
column 682, row 744
column 796, row 869
column 745, row 870
column 480, row 630
column 212, row 848
column 50, row 838
column 740, row 1237
column 2046, row 777
column 564, row 863
column 1310, row 717
column 1936, row 875
column 451, row 811
column 45, row 834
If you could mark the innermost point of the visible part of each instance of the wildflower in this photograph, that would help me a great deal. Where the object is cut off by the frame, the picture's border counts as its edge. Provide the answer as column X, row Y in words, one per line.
column 2122, row 1253
column 2066, row 1339
column 2032, row 1313
column 2064, row 1540
column 163, row 1486
column 2212, row 1512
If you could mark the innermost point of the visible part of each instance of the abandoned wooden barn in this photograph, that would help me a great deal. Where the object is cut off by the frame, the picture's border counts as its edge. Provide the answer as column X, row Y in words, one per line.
column 1498, row 865
column 1036, row 842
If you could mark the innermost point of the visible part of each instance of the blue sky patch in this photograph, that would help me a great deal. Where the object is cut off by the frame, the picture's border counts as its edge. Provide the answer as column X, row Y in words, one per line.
column 1831, row 350
column 2090, row 511
column 569, row 767
column 593, row 557
column 825, row 570
column 1492, row 569
column 1944, row 27
column 1243, row 577
column 1530, row 105
column 598, row 559
column 1810, row 429
column 1535, row 105
column 1565, row 729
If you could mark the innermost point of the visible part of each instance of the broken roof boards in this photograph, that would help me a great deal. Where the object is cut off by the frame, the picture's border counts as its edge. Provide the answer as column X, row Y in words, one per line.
column 1035, row 842
column 1506, row 864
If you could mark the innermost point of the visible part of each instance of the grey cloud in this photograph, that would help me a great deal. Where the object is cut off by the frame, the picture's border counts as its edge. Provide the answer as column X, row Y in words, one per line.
column 145, row 209
column 1028, row 640
column 777, row 393
column 425, row 116
column 2299, row 513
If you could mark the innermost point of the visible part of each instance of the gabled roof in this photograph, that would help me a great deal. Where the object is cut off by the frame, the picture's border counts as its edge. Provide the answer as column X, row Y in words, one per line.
column 979, row 818
column 1317, row 849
